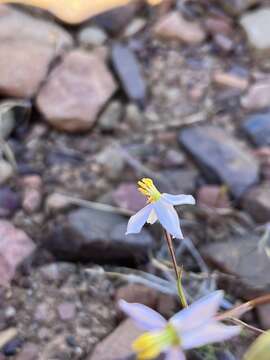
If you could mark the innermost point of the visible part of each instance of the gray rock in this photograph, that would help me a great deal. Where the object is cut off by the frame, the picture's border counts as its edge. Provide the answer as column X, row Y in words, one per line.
column 257, row 127
column 245, row 259
column 91, row 36
column 129, row 72
column 221, row 157
column 93, row 235
column 258, row 96
column 237, row 7
column 257, row 203
column 76, row 91
column 6, row 171
column 111, row 117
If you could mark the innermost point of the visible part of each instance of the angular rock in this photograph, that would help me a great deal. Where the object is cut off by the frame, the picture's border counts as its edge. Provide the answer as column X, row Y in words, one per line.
column 128, row 197
column 15, row 247
column 237, row 7
column 258, row 96
column 257, row 127
column 27, row 47
column 119, row 343
column 173, row 26
column 245, row 259
column 137, row 293
column 221, row 157
column 129, row 72
column 257, row 203
column 212, row 196
column 76, row 91
column 94, row 235
column 9, row 202
column 91, row 36
column 257, row 27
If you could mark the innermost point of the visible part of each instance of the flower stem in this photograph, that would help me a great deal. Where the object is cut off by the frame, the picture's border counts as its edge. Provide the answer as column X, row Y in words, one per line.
column 178, row 273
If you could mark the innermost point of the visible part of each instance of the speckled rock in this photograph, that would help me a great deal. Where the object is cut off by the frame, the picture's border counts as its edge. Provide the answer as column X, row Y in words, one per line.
column 76, row 91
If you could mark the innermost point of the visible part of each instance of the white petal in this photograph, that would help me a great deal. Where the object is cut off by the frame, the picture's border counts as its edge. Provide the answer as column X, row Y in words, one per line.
column 175, row 353
column 179, row 199
column 168, row 218
column 198, row 313
column 145, row 317
column 137, row 221
column 152, row 218
column 208, row 334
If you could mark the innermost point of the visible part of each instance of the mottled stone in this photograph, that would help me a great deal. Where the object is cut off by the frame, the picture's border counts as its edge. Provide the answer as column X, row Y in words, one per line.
column 221, row 157
column 257, row 203
column 29, row 352
column 173, row 26
column 257, row 127
column 128, row 70
column 76, row 91
column 66, row 311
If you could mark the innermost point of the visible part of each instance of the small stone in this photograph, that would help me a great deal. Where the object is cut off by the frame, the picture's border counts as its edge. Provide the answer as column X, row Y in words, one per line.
column 9, row 202
column 15, row 247
column 42, row 313
column 119, row 342
column 66, row 311
column 10, row 312
column 221, row 157
column 173, row 26
column 218, row 25
column 92, row 36
column 12, row 347
column 134, row 116
column 223, row 43
column 137, row 294
column 237, row 7
column 257, row 203
column 134, row 27
column 174, row 158
column 166, row 305
column 111, row 161
column 258, row 96
column 212, row 196
column 110, row 118
column 75, row 106
column 257, row 127
column 257, row 26
column 230, row 80
column 29, row 352
column 56, row 203
column 263, row 312
column 128, row 197
column 182, row 181
column 128, row 70
column 32, row 193
column 6, row 171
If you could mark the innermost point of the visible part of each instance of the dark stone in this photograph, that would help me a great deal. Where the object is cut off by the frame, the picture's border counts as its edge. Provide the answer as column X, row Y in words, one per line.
column 257, row 127
column 225, row 355
column 93, row 235
column 9, row 202
column 11, row 348
column 128, row 70
column 257, row 203
column 221, row 158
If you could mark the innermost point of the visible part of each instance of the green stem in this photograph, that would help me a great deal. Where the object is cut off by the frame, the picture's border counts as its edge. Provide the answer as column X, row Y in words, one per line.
column 178, row 273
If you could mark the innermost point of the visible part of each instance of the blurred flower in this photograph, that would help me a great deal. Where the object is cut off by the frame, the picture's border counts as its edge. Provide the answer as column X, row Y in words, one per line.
column 260, row 349
column 160, row 207
column 75, row 11
column 190, row 328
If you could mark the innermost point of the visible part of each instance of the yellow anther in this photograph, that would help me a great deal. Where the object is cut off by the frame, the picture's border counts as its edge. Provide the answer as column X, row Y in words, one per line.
column 147, row 188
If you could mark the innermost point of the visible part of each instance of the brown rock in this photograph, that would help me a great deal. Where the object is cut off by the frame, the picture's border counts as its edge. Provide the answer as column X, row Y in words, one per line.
column 263, row 312
column 218, row 25
column 257, row 203
column 258, row 96
column 137, row 293
column 15, row 247
column 128, row 197
column 213, row 196
column 27, row 47
column 118, row 344
column 76, row 91
column 226, row 79
column 173, row 26
column 166, row 305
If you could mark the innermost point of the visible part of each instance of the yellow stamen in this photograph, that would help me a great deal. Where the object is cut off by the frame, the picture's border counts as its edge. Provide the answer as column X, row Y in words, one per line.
column 149, row 345
column 147, row 188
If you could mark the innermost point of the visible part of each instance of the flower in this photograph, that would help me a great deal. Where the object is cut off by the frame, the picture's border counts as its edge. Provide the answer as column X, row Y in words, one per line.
column 192, row 327
column 159, row 207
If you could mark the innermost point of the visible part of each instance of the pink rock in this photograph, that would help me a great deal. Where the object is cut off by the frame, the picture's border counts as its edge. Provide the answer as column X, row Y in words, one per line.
column 15, row 247
column 258, row 96
column 128, row 197
column 213, row 196
column 32, row 193
column 76, row 91
column 67, row 311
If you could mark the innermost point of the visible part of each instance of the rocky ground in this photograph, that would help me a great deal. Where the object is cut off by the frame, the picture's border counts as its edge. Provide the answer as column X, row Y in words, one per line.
column 179, row 93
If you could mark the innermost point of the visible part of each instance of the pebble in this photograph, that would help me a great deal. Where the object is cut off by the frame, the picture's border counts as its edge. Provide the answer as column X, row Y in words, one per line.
column 257, row 127
column 173, row 26
column 237, row 7
column 9, row 202
column 135, row 293
column 263, row 312
column 257, row 27
column 221, row 157
column 32, row 193
column 128, row 70
column 212, row 196
column 6, row 171
column 226, row 79
column 89, row 85
column 29, row 352
column 258, row 96
column 134, row 116
column 66, row 311
column 56, row 203
column 134, row 27
column 12, row 347
column 111, row 117
column 257, row 203
column 111, row 161
column 127, row 196
column 92, row 36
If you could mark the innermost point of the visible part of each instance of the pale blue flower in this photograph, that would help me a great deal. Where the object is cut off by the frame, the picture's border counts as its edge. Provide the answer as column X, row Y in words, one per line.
column 190, row 328
column 160, row 207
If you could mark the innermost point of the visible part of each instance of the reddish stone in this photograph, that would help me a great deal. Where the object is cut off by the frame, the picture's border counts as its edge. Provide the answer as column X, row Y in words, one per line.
column 138, row 293
column 128, row 197
column 213, row 196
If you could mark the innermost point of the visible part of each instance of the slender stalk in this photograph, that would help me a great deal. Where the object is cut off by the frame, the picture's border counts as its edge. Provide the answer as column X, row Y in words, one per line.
column 178, row 273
